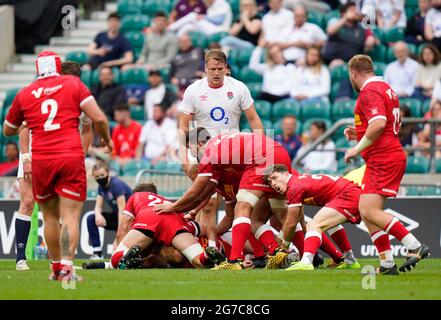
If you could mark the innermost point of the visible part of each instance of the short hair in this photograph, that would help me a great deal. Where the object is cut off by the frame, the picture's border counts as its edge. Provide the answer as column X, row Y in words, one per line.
column 146, row 187
column 197, row 135
column 160, row 14
column 346, row 6
column 406, row 110
column 10, row 142
column 289, row 116
column 361, row 63
column 274, row 168
column 106, row 68
column 71, row 68
column 435, row 51
column 100, row 165
column 217, row 55
column 122, row 107
column 319, row 125
column 113, row 15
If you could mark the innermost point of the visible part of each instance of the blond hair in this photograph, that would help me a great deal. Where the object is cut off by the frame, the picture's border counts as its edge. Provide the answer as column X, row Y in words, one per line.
column 217, row 55
column 361, row 63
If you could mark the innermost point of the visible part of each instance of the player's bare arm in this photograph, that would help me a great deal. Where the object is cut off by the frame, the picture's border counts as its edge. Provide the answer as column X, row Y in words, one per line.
column 86, row 133
column 121, row 204
column 227, row 220
column 23, row 139
column 93, row 111
column 373, row 132
column 124, row 223
column 188, row 200
column 184, row 121
column 203, row 198
column 253, row 118
column 289, row 226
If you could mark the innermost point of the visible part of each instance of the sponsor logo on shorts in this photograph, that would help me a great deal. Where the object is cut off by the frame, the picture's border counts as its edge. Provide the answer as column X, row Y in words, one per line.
column 389, row 190
column 261, row 185
column 72, row 193
column 348, row 213
column 140, row 225
column 44, row 197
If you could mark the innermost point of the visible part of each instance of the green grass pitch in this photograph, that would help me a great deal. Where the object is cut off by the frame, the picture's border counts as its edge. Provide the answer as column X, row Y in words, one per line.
column 422, row 283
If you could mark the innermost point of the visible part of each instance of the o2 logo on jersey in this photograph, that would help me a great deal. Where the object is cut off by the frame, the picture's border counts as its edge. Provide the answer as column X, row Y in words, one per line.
column 218, row 114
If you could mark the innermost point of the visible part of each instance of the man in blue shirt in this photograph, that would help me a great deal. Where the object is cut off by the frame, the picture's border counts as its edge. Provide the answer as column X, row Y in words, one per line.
column 115, row 193
column 110, row 48
column 289, row 139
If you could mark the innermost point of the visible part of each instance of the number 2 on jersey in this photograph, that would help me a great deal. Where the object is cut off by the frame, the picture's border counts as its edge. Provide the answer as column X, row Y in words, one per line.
column 53, row 106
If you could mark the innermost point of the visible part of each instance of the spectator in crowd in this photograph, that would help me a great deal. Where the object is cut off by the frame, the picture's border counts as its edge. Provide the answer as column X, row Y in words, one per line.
column 218, row 19
column 390, row 13
column 125, row 135
column 323, row 158
column 428, row 73
column 415, row 25
column 276, row 21
column 107, row 93
column 158, row 137
column 401, row 73
column 158, row 94
column 301, row 36
column 311, row 82
column 408, row 131
column 110, row 48
column 310, row 5
column 160, row 46
column 188, row 63
column 10, row 166
column 245, row 31
column 436, row 94
column 424, row 136
column 185, row 7
column 432, row 25
column 346, row 36
column 288, row 138
column 275, row 72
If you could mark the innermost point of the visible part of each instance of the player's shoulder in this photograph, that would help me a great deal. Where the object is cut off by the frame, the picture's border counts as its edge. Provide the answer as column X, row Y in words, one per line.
column 234, row 82
column 197, row 86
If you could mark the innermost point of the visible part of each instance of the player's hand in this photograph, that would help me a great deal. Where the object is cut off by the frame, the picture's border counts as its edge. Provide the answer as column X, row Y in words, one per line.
column 350, row 133
column 99, row 220
column 24, row 125
column 350, row 154
column 191, row 215
column 163, row 208
column 109, row 147
column 27, row 171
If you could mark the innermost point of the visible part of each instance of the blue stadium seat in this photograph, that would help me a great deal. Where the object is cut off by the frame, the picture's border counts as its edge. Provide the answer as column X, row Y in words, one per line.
column 79, row 57
column 342, row 109
column 126, row 7
column 247, row 75
column 413, row 104
column 263, row 109
column 318, row 109
column 168, row 166
column 285, row 107
column 136, row 22
column 134, row 76
column 307, row 123
column 417, row 165
column 132, row 167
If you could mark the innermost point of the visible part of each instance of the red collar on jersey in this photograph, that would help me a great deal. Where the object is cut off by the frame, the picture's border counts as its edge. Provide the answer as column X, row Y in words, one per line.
column 215, row 87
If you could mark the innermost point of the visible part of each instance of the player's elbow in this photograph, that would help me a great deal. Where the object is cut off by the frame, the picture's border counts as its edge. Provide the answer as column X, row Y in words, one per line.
column 7, row 131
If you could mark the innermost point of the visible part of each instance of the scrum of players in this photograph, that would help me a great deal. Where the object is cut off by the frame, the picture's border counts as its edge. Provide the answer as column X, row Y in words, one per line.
column 264, row 196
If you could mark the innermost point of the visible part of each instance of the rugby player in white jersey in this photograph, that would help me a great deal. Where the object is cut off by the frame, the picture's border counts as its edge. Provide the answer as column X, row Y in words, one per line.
column 216, row 103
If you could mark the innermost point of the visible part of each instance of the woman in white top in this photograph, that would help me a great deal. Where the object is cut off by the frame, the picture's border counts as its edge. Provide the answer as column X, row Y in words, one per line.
column 323, row 158
column 428, row 73
column 311, row 82
column 275, row 72
column 390, row 14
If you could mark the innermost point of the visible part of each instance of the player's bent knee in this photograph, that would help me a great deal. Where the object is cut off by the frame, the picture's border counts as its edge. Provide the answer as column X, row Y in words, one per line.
column 247, row 197
column 118, row 254
column 192, row 253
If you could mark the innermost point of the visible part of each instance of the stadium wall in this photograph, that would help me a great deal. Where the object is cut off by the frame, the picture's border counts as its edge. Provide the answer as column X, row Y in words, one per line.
column 6, row 35
column 420, row 215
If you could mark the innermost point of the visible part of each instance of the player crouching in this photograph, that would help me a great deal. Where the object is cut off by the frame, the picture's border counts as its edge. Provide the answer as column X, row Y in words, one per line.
column 169, row 229
column 338, row 198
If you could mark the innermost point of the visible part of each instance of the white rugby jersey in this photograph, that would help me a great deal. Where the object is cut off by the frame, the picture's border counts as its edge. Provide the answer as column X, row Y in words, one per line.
column 217, row 109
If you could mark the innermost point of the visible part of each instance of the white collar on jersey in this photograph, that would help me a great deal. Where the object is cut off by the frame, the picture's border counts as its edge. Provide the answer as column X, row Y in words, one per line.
column 372, row 79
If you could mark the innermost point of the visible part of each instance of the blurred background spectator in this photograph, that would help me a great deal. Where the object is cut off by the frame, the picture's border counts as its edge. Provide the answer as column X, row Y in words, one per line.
column 158, row 137
column 311, row 82
column 428, row 73
column 125, row 135
column 110, row 48
column 107, row 93
column 346, row 36
column 10, row 166
column 157, row 94
column 301, row 36
column 408, row 131
column 288, row 138
column 401, row 73
column 390, row 13
column 276, row 83
column 245, row 31
column 218, row 19
column 276, row 22
column 185, row 7
column 160, row 46
column 323, row 158
column 432, row 26
column 424, row 137
column 415, row 24
column 188, row 64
